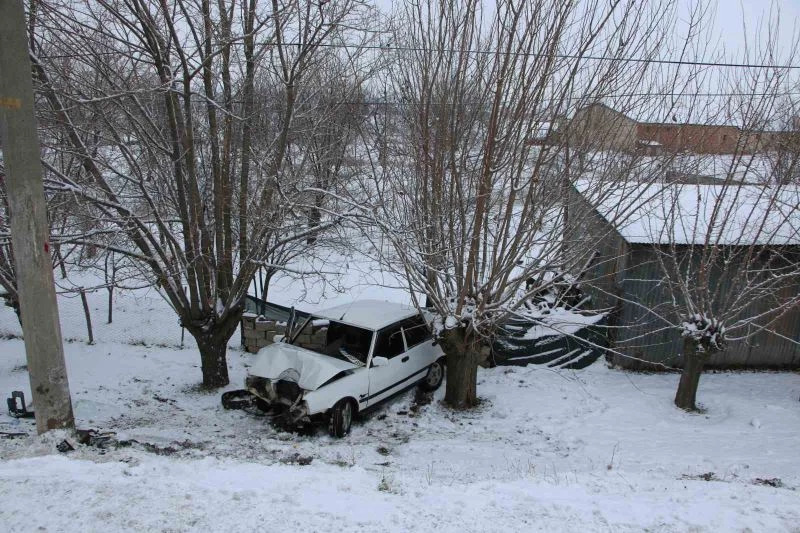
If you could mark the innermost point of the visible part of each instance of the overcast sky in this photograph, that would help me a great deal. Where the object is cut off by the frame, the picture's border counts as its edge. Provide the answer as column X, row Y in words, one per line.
column 732, row 16
column 735, row 22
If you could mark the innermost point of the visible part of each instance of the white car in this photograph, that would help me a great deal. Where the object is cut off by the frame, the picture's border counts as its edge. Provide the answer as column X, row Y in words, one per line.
column 344, row 360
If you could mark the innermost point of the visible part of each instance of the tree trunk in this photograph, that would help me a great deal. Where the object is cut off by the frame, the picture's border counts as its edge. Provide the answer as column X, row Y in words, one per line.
column 462, row 369
column 14, row 304
column 314, row 218
column 213, row 345
column 213, row 360
column 690, row 377
column 60, row 260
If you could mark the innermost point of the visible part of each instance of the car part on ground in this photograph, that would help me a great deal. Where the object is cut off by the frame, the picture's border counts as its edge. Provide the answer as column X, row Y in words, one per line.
column 238, row 399
column 16, row 405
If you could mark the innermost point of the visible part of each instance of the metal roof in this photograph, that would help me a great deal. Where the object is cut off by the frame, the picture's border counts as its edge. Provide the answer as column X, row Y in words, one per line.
column 678, row 213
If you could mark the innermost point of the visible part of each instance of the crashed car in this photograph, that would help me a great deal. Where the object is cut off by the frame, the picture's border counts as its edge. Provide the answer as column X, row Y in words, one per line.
column 342, row 361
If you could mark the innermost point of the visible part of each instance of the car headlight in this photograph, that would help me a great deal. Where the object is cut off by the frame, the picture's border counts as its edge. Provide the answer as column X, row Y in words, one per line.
column 259, row 386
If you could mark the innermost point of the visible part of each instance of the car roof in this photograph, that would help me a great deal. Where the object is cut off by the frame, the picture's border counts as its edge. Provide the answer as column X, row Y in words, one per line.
column 369, row 314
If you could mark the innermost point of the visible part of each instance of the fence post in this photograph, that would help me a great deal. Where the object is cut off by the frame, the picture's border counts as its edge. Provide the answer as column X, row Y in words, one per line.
column 88, row 315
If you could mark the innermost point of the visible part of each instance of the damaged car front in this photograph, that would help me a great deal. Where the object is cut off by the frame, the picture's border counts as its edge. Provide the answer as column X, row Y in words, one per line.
column 301, row 379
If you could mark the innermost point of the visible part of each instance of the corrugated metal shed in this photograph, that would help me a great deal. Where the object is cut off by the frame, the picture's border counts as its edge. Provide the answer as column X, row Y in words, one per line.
column 629, row 279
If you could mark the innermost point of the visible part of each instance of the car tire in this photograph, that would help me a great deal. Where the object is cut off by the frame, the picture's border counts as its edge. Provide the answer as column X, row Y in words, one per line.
column 237, row 399
column 433, row 379
column 341, row 418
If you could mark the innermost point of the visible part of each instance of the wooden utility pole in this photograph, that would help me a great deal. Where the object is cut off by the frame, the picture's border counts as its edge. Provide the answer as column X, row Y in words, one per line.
column 29, row 229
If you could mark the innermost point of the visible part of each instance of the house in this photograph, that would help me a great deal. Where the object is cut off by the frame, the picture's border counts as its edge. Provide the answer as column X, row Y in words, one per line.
column 636, row 225
column 694, row 138
column 598, row 127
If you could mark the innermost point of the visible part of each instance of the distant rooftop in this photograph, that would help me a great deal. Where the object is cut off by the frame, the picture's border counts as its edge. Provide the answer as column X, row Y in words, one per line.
column 682, row 213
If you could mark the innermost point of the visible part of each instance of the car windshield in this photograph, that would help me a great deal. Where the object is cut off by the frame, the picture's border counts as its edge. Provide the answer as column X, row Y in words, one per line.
column 336, row 339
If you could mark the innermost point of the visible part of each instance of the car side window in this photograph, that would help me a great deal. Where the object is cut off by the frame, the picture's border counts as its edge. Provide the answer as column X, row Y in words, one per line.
column 390, row 342
column 416, row 331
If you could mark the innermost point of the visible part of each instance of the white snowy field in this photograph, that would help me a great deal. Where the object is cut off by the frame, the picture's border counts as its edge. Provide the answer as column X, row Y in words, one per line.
column 590, row 450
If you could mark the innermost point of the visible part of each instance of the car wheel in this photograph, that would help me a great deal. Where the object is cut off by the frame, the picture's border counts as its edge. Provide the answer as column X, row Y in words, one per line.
column 433, row 379
column 341, row 418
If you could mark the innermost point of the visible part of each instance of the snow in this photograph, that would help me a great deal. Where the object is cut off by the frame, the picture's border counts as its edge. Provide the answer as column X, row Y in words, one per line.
column 547, row 450
column 706, row 332
column 685, row 213
column 590, row 450
column 356, row 278
column 559, row 321
column 369, row 314
column 140, row 317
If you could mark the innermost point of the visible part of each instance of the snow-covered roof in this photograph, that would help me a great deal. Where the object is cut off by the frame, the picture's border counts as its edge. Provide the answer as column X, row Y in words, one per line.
column 369, row 314
column 680, row 213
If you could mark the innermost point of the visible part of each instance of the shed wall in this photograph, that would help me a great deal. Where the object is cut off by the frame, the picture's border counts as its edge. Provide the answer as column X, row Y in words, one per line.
column 643, row 334
column 626, row 278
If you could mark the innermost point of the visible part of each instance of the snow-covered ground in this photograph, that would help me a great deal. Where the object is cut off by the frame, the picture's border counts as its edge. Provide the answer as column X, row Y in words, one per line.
column 589, row 450
column 596, row 449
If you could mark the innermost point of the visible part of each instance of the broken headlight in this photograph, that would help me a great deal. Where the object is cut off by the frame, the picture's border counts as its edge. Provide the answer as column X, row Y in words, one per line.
column 259, row 386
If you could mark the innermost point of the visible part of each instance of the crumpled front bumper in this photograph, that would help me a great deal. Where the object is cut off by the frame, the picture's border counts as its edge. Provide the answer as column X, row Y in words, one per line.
column 284, row 409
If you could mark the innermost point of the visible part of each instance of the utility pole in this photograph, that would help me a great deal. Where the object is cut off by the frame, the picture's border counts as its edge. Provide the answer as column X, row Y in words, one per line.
column 29, row 229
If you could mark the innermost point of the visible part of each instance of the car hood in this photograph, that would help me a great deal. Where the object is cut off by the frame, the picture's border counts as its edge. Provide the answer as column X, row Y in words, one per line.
column 314, row 368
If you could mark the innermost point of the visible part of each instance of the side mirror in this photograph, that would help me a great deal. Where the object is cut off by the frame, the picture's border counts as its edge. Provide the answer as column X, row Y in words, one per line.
column 278, row 338
column 379, row 361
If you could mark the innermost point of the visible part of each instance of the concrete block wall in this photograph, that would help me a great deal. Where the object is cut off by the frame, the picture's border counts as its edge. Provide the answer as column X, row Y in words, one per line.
column 260, row 332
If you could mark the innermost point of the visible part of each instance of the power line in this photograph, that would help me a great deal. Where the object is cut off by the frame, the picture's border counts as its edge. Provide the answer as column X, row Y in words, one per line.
column 675, row 62
column 678, row 62
column 600, row 97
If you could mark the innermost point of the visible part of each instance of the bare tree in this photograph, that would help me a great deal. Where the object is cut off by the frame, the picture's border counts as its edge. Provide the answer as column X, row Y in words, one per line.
column 62, row 222
column 470, row 209
column 730, row 264
column 329, row 122
column 181, row 176
column 728, row 247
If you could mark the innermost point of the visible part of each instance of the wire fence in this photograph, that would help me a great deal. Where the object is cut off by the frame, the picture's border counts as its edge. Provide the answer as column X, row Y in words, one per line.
column 138, row 317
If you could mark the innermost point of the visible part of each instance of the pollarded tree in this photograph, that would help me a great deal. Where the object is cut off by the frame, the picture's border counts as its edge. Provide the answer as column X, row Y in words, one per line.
column 729, row 248
column 193, row 190
column 730, row 264
column 472, row 208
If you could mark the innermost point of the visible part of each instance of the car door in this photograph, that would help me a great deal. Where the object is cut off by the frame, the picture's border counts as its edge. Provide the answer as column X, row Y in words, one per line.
column 387, row 379
column 419, row 345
